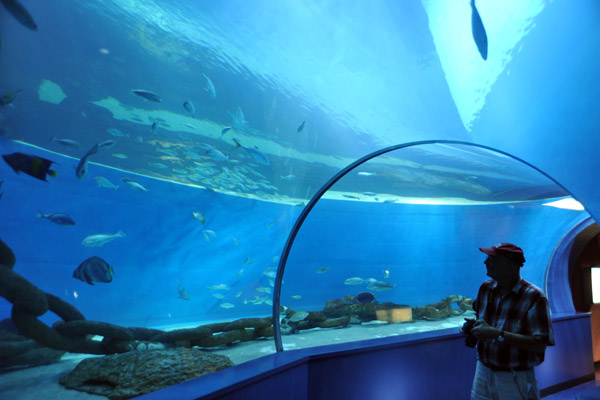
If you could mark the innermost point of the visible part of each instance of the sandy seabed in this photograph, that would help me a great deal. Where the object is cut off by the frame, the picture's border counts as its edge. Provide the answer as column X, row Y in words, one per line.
column 42, row 382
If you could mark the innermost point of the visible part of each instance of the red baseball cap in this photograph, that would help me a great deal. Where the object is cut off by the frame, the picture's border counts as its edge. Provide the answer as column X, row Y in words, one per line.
column 508, row 250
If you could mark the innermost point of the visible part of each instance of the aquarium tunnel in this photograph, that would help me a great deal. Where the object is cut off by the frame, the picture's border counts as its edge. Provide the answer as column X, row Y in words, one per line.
column 286, row 199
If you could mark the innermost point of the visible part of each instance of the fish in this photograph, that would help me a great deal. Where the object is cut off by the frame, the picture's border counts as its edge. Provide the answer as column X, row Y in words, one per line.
column 235, row 241
column 379, row 285
column 349, row 196
column 210, row 87
column 198, row 215
column 363, row 173
column 94, row 269
column 258, row 155
column 101, row 239
column 107, row 144
column 66, row 142
column 225, row 130
column 386, row 272
column 238, row 294
column 322, row 270
column 207, row 233
column 8, row 98
column 354, row 281
column 189, row 107
column 240, row 273
column 301, row 127
column 154, row 127
column 365, row 297
column 82, row 167
column 263, row 289
column 57, row 218
column 20, row 13
column 139, row 139
column 134, row 185
column 220, row 286
column 218, row 295
column 287, row 177
column 119, row 155
column 158, row 165
column 249, row 260
column 270, row 272
column 116, row 133
column 190, row 126
column 217, row 155
column 226, row 305
column 35, row 166
column 148, row 95
column 299, row 316
column 183, row 294
column 478, row 31
column 105, row 183
column 296, row 296
column 369, row 194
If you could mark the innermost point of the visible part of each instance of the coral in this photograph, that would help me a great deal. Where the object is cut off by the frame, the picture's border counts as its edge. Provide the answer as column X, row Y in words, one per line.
column 123, row 376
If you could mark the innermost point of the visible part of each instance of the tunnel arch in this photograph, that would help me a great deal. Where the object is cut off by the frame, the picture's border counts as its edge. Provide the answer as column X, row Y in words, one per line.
column 319, row 194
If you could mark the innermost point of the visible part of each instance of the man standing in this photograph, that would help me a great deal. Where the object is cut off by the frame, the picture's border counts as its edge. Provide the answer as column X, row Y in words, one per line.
column 512, row 329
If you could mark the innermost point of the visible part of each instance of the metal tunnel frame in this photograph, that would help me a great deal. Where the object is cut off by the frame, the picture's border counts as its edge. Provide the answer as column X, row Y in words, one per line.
column 328, row 185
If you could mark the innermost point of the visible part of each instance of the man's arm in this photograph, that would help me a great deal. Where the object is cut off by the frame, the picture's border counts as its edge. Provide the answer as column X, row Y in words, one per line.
column 482, row 330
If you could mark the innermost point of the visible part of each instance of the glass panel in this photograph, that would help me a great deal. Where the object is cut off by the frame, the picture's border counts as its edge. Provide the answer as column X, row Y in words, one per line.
column 392, row 247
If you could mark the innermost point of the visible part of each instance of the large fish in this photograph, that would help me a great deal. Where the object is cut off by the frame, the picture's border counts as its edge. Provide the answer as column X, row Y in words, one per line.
column 100, row 239
column 148, row 95
column 478, row 31
column 37, row 167
column 58, row 218
column 94, row 269
column 82, row 167
column 20, row 13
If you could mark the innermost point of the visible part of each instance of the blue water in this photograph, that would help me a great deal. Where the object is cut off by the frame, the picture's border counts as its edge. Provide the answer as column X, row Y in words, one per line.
column 362, row 76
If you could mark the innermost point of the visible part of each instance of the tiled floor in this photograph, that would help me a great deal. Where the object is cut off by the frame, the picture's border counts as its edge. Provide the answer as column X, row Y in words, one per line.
column 586, row 391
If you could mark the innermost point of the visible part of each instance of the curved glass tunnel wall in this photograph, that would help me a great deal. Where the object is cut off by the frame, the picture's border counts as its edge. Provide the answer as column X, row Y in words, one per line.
column 396, row 240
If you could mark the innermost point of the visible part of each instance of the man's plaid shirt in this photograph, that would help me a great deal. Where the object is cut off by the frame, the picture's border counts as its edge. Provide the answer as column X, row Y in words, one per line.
column 524, row 310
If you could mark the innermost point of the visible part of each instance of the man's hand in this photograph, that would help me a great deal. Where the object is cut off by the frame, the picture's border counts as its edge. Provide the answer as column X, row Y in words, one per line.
column 482, row 330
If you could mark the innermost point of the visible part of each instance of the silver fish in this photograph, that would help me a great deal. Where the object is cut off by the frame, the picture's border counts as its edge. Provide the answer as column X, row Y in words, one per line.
column 82, row 167
column 100, row 239
column 134, row 185
column 258, row 155
column 66, row 142
column 210, row 87
column 116, row 132
column 354, row 281
column 105, row 183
